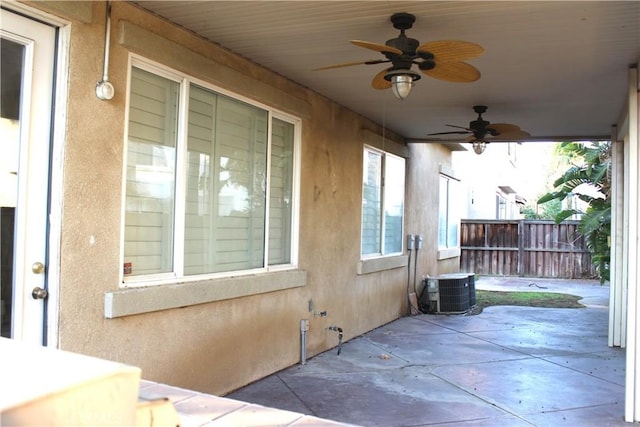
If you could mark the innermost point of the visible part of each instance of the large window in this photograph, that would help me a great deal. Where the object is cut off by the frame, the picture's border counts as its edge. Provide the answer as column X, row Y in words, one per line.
column 449, row 213
column 209, row 181
column 382, row 203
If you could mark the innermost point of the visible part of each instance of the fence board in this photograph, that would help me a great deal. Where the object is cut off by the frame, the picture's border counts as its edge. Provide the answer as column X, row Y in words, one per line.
column 524, row 248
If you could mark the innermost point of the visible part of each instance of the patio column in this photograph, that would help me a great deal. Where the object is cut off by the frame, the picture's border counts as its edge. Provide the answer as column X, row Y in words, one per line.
column 617, row 290
column 632, row 161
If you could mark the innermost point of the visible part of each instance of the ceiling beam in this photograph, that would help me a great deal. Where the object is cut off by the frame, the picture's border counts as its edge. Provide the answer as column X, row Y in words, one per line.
column 558, row 139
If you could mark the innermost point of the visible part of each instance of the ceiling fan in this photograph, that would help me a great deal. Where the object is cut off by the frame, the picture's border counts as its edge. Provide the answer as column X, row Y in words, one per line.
column 482, row 132
column 441, row 59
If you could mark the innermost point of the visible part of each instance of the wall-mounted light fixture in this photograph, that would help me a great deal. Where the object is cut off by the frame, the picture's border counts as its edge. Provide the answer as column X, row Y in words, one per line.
column 401, row 81
column 104, row 89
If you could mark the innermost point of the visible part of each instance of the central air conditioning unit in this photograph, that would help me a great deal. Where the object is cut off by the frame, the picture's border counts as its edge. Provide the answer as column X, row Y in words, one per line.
column 448, row 293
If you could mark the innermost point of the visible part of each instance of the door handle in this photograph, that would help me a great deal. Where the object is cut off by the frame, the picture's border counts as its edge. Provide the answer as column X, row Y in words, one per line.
column 39, row 293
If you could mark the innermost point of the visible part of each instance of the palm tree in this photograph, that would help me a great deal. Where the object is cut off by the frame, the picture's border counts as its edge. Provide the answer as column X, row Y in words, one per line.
column 590, row 169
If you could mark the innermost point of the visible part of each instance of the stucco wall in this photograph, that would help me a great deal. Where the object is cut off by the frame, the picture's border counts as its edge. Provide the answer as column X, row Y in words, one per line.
column 219, row 346
column 423, row 183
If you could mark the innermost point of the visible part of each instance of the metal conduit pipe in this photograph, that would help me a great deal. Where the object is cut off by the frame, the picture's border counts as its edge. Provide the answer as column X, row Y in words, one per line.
column 418, row 239
column 304, row 327
column 410, row 246
column 104, row 88
column 340, row 336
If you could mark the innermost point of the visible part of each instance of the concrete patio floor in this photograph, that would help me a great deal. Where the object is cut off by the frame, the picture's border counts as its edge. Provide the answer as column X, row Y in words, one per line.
column 507, row 366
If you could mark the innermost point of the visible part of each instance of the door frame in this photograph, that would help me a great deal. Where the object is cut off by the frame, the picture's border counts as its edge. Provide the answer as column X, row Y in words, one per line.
column 56, row 160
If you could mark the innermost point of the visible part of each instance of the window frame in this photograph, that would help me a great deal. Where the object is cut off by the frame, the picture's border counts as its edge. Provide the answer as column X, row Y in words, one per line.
column 185, row 82
column 448, row 251
column 383, row 206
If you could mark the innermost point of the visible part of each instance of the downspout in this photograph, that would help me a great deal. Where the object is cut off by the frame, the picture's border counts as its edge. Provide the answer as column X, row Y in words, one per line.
column 410, row 246
column 304, row 327
column 418, row 239
column 340, row 336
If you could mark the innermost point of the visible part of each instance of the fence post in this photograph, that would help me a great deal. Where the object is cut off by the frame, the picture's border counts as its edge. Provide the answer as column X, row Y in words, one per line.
column 521, row 248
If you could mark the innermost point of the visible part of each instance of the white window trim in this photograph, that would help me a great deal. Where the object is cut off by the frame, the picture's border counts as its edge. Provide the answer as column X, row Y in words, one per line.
column 127, row 302
column 380, row 262
column 374, row 265
column 217, row 279
column 449, row 252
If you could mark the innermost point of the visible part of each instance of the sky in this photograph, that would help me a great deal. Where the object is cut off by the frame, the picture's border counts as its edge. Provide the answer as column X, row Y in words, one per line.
column 537, row 165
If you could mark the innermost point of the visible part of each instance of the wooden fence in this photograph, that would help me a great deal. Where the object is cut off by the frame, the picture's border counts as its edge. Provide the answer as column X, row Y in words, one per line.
column 524, row 248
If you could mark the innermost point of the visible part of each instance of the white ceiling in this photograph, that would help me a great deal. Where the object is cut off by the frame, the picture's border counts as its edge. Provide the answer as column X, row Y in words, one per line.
column 557, row 69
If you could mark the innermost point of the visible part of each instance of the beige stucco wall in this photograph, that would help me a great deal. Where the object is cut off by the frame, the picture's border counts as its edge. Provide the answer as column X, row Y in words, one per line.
column 422, row 206
column 219, row 346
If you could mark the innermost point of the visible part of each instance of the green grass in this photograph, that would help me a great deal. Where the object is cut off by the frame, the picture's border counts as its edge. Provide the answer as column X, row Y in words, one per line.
column 527, row 299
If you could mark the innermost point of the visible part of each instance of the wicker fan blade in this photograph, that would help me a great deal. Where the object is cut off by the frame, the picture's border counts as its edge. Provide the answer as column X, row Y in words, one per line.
column 379, row 82
column 460, row 132
column 454, row 71
column 383, row 48
column 460, row 127
column 501, row 128
column 512, row 136
column 349, row 64
column 451, row 50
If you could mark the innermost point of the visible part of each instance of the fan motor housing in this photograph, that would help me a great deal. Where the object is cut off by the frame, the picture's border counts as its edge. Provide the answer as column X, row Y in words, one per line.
column 407, row 45
column 478, row 124
column 403, row 20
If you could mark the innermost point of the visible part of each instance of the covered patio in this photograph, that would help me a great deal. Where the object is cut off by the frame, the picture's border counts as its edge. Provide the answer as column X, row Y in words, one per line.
column 508, row 366
column 559, row 70
column 211, row 181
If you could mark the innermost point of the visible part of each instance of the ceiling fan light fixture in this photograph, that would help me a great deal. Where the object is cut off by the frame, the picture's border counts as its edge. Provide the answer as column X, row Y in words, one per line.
column 401, row 81
column 401, row 85
column 479, row 147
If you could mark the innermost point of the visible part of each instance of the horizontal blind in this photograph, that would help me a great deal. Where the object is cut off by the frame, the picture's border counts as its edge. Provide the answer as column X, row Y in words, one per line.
column 239, row 225
column 150, row 188
column 198, row 244
column 372, row 203
column 281, row 192
column 225, row 184
column 394, row 174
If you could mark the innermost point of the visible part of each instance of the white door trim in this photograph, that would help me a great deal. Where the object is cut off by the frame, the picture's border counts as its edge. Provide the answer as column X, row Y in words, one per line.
column 59, row 119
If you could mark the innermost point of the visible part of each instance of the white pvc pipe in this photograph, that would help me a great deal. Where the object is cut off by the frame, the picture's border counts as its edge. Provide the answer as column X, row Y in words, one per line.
column 107, row 37
column 304, row 327
column 104, row 89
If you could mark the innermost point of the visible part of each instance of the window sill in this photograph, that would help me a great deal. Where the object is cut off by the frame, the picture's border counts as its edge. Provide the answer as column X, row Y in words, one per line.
column 380, row 264
column 127, row 302
column 448, row 253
